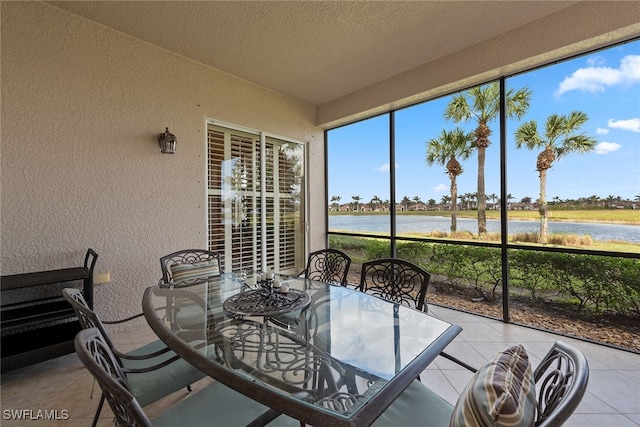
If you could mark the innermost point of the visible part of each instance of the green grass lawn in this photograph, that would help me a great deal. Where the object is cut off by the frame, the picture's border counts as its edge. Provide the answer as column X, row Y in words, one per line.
column 609, row 216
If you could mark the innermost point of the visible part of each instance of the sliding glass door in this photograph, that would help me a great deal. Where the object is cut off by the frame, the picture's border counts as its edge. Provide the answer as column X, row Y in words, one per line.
column 256, row 200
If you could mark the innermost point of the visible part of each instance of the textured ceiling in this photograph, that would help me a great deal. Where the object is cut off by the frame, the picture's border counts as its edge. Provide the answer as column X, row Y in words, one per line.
column 314, row 51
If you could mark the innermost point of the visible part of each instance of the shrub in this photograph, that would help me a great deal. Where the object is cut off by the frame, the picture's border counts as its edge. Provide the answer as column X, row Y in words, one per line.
column 593, row 284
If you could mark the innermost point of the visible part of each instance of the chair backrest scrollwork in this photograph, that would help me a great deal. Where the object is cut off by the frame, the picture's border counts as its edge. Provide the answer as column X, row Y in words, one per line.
column 328, row 265
column 395, row 280
column 87, row 317
column 97, row 357
column 561, row 381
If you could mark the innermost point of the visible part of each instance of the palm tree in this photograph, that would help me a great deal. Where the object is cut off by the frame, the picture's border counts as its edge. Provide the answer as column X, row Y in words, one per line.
column 482, row 103
column 594, row 200
column 493, row 197
column 559, row 139
column 356, row 199
column 463, row 201
column 443, row 151
column 471, row 197
column 445, row 200
column 610, row 200
column 335, row 200
column 375, row 200
column 405, row 202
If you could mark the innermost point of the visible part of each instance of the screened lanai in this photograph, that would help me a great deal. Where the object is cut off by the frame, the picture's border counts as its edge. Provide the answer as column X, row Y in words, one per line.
column 87, row 87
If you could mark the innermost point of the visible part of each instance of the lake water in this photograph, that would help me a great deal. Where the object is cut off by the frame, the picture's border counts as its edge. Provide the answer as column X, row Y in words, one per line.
column 426, row 224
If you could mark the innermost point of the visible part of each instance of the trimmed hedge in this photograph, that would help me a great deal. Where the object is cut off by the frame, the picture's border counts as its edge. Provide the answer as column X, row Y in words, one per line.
column 593, row 284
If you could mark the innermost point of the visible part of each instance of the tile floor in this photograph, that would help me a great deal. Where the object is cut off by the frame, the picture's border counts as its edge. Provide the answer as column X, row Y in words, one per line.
column 612, row 398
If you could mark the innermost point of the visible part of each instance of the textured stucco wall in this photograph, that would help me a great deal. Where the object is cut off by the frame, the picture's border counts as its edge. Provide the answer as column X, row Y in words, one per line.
column 82, row 106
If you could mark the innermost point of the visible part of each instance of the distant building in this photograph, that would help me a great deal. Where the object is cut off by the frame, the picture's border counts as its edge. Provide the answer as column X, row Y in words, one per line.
column 418, row 207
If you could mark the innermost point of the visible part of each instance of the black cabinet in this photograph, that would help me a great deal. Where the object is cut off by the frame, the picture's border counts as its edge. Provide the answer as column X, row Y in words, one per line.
column 36, row 322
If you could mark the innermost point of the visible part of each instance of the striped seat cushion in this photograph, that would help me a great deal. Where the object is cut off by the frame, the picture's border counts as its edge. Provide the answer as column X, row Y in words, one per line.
column 195, row 270
column 501, row 393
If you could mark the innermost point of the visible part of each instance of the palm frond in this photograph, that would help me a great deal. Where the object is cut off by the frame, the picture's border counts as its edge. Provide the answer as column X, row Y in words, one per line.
column 527, row 135
column 575, row 120
column 554, row 127
column 518, row 102
column 450, row 143
column 458, row 109
column 580, row 143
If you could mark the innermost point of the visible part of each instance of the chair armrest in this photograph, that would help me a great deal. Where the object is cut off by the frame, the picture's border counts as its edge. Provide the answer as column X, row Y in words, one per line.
column 115, row 322
column 151, row 367
column 142, row 356
column 458, row 361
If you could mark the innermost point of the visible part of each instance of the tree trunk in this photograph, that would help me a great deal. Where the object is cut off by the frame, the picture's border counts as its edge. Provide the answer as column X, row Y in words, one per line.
column 454, row 204
column 544, row 225
column 482, row 200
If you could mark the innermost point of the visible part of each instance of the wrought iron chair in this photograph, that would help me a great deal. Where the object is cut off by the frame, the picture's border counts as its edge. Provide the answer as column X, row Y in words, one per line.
column 395, row 280
column 327, row 265
column 189, row 265
column 154, row 371
column 560, row 381
column 191, row 257
column 400, row 281
column 215, row 404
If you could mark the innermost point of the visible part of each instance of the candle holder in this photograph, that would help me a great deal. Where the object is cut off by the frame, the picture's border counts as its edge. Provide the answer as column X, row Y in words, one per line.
column 267, row 300
column 267, row 289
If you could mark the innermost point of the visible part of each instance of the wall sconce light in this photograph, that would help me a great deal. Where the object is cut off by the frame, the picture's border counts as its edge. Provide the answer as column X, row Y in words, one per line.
column 167, row 142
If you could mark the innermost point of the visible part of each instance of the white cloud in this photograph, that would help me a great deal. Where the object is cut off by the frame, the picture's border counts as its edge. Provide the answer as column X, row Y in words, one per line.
column 602, row 131
column 596, row 77
column 607, row 147
column 440, row 188
column 595, row 61
column 385, row 167
column 632, row 124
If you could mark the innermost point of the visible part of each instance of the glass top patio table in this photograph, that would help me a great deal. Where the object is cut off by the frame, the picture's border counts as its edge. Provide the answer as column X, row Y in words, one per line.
column 348, row 356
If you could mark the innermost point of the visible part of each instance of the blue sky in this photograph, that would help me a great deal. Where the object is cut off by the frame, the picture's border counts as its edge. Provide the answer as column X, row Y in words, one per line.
column 603, row 84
